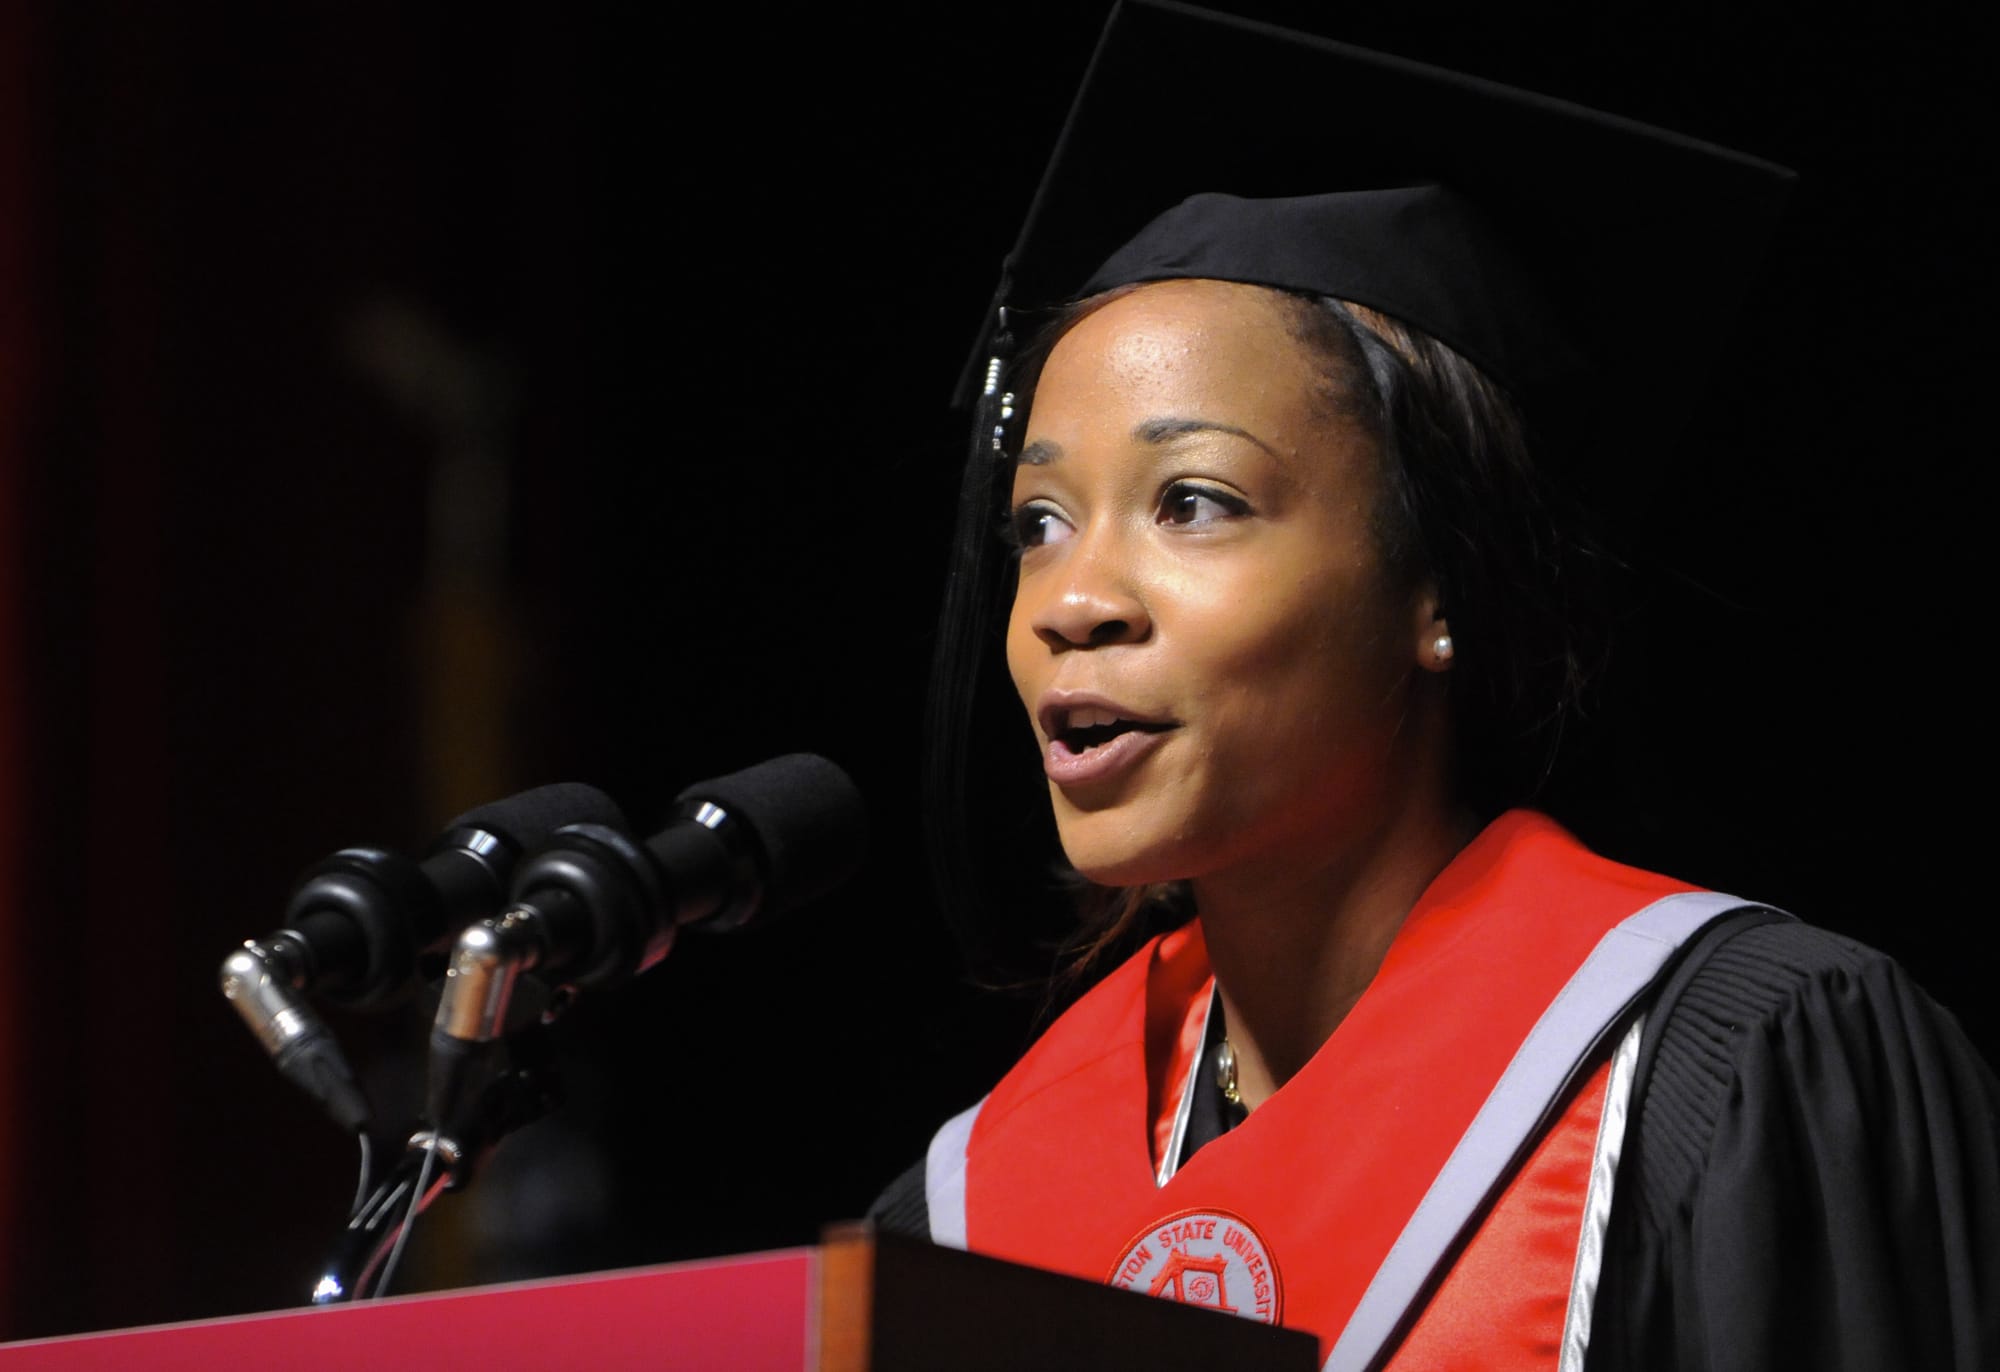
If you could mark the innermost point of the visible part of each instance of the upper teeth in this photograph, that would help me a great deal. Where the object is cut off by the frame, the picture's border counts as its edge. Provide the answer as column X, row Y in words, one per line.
column 1090, row 717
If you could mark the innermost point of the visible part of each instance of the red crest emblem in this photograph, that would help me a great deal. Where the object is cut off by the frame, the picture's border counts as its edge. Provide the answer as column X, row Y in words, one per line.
column 1204, row 1257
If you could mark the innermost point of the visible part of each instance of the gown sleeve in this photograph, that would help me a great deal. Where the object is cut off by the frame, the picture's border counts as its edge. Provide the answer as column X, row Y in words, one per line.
column 904, row 1207
column 1811, row 1178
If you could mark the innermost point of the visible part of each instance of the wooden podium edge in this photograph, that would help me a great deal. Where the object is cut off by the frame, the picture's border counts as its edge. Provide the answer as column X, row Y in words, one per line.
column 845, row 1294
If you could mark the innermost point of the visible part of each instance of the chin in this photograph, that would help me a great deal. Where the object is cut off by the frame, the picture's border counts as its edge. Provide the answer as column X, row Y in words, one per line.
column 1113, row 853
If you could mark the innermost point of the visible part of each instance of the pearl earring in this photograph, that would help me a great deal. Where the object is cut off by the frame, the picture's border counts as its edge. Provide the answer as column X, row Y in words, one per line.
column 1442, row 647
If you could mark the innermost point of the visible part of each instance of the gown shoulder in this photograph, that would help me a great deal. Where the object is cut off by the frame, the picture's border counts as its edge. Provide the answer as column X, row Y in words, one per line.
column 1812, row 1173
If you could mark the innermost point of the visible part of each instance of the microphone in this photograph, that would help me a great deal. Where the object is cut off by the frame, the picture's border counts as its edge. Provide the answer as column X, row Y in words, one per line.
column 359, row 922
column 594, row 907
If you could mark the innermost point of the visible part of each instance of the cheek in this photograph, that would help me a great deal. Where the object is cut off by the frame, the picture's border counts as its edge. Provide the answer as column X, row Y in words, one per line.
column 1309, row 655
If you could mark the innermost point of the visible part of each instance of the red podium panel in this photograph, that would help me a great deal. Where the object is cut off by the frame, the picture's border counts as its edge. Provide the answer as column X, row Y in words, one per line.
column 753, row 1313
column 859, row 1303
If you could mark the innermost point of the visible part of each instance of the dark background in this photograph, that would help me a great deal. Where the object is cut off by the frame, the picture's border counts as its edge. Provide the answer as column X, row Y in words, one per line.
column 411, row 404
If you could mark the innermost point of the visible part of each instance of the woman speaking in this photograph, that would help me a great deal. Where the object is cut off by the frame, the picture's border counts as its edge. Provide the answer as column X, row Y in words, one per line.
column 1298, row 624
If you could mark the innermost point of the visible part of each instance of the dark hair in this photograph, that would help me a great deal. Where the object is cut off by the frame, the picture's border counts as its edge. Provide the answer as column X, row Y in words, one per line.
column 1461, row 503
column 1464, row 504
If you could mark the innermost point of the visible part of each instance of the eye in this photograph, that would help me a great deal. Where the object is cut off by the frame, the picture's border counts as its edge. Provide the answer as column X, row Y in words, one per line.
column 1034, row 525
column 1187, row 504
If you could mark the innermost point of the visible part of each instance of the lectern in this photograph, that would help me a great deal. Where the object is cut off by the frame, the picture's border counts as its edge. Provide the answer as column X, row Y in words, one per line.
column 860, row 1302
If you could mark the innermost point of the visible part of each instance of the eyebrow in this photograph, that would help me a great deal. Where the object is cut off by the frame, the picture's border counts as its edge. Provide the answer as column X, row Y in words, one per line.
column 1167, row 430
column 1149, row 431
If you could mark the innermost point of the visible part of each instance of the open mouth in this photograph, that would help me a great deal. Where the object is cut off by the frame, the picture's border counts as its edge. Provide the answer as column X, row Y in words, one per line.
column 1080, row 730
column 1093, row 742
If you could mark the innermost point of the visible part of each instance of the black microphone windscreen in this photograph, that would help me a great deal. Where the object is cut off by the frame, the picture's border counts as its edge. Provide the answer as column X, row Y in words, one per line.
column 526, row 820
column 807, row 817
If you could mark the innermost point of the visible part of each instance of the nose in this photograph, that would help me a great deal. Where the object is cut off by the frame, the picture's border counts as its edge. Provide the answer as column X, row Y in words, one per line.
column 1087, row 599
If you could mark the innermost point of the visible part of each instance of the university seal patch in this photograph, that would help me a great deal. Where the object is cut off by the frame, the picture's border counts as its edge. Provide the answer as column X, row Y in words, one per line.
column 1204, row 1257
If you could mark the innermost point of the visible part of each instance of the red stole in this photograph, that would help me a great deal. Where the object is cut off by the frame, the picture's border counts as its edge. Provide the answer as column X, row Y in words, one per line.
column 1302, row 1201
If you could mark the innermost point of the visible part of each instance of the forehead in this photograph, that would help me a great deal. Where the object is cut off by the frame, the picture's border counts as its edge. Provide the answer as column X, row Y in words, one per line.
column 1197, row 350
column 1177, row 330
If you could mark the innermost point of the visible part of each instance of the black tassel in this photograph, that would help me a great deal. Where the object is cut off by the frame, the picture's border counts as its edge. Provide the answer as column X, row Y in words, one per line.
column 973, row 584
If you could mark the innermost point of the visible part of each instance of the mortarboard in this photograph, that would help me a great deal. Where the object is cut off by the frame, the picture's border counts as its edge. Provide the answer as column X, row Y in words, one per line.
column 1583, row 260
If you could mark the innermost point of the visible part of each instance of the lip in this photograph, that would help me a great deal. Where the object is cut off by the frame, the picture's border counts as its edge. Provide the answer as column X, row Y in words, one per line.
column 1106, row 761
column 1102, row 763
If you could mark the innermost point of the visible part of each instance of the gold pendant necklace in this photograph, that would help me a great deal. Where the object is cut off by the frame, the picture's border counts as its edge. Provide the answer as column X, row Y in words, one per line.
column 1225, row 1073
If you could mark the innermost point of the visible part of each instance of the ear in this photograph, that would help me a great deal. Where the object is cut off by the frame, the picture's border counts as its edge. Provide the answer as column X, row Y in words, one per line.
column 1431, row 630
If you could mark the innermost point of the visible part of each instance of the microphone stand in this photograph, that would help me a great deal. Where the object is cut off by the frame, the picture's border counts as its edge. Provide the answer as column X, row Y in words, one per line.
column 358, row 1266
column 360, row 1251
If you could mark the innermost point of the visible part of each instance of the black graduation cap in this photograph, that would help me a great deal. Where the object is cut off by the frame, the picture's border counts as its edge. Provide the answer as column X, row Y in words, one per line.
column 1569, row 253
